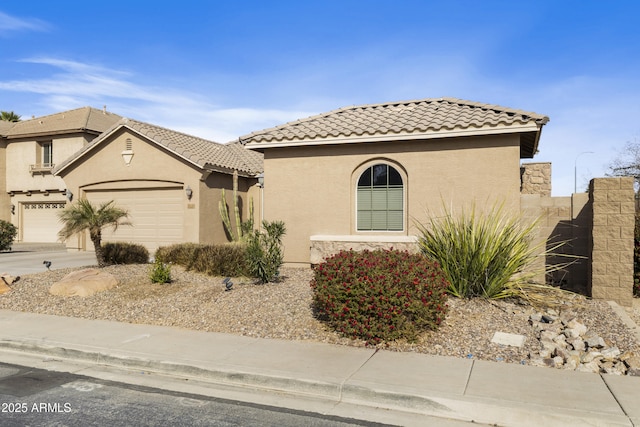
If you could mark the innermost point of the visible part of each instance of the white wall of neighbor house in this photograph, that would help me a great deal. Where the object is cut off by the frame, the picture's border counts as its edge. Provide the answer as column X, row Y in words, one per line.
column 312, row 189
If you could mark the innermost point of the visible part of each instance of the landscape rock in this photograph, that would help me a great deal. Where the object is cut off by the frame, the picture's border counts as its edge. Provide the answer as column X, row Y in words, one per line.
column 84, row 283
column 568, row 344
column 6, row 282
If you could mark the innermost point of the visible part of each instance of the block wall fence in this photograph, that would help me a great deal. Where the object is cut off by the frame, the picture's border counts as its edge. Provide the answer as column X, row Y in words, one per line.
column 598, row 228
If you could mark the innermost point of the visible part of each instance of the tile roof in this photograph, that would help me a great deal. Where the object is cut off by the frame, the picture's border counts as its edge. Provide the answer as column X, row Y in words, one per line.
column 397, row 120
column 201, row 152
column 84, row 119
column 5, row 126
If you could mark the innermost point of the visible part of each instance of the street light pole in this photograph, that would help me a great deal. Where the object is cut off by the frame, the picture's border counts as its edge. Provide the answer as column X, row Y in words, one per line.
column 575, row 171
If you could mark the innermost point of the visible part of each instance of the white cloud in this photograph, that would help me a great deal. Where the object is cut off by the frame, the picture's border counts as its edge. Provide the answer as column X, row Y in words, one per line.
column 10, row 23
column 78, row 84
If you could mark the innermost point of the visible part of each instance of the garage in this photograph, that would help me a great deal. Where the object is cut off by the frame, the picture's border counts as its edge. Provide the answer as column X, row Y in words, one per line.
column 156, row 215
column 40, row 222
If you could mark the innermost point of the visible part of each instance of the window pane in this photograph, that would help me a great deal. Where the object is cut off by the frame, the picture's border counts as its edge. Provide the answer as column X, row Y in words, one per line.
column 394, row 177
column 365, row 178
column 394, row 221
column 47, row 154
column 394, row 199
column 379, row 199
column 379, row 220
column 364, row 198
column 364, row 220
column 380, row 175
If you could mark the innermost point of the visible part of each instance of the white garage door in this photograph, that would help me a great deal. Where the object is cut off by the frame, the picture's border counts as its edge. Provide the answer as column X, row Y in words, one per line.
column 40, row 221
column 156, row 215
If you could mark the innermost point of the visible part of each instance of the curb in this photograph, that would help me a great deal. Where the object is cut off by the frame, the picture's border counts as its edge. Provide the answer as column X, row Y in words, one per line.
column 468, row 409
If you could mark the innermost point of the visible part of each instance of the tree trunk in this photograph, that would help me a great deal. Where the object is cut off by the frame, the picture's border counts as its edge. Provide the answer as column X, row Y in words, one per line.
column 96, row 239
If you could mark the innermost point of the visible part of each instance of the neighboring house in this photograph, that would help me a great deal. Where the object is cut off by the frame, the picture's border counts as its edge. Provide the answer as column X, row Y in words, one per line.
column 30, row 195
column 169, row 182
column 361, row 175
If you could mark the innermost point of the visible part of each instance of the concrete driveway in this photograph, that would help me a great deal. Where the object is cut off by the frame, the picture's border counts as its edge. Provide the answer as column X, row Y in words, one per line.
column 28, row 258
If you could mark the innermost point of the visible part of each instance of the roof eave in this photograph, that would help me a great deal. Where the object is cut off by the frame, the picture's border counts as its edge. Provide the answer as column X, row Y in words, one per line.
column 52, row 133
column 529, row 127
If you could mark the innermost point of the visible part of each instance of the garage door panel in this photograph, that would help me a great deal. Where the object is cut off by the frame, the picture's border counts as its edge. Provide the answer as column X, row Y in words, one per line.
column 40, row 222
column 156, row 215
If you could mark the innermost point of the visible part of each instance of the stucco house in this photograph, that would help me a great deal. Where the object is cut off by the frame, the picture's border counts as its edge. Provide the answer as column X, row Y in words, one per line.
column 359, row 176
column 30, row 195
column 169, row 182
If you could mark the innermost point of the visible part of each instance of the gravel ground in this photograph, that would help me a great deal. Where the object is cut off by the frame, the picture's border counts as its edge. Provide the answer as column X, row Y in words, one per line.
column 283, row 310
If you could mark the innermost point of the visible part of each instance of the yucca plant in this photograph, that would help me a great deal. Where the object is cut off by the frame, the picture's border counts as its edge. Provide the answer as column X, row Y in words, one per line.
column 488, row 255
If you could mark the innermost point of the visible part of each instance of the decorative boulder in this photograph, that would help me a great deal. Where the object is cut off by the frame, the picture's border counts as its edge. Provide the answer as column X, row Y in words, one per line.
column 6, row 282
column 83, row 283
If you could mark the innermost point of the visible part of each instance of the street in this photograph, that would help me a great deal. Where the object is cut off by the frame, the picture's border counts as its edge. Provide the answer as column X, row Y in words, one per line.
column 37, row 397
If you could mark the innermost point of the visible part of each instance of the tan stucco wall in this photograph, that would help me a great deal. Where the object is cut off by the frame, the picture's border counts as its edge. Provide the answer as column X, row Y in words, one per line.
column 312, row 189
column 211, row 228
column 22, row 154
column 104, row 168
column 5, row 202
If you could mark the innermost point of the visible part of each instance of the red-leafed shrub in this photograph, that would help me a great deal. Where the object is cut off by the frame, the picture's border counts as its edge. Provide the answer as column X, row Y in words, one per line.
column 380, row 295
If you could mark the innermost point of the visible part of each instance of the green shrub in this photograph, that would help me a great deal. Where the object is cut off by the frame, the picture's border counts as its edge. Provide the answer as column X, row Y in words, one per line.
column 160, row 272
column 8, row 233
column 124, row 253
column 264, row 251
column 379, row 296
column 215, row 260
column 180, row 253
column 220, row 260
column 487, row 255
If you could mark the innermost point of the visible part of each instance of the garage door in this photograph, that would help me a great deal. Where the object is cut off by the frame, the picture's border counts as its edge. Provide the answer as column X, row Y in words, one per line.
column 156, row 214
column 40, row 221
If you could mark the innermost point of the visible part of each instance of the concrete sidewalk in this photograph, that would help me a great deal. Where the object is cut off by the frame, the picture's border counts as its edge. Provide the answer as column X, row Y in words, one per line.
column 450, row 388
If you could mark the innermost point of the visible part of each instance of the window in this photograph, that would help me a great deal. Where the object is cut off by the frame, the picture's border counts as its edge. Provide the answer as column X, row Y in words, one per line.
column 380, row 199
column 47, row 154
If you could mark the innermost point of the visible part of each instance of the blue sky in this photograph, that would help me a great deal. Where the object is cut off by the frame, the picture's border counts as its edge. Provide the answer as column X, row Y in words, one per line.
column 221, row 69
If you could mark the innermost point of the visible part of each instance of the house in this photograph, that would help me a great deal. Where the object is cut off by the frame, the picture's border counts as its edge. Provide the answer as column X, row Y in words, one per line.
column 30, row 195
column 358, row 177
column 169, row 182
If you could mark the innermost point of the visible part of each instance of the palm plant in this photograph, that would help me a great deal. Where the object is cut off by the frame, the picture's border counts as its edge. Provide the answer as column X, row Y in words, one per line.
column 9, row 116
column 83, row 215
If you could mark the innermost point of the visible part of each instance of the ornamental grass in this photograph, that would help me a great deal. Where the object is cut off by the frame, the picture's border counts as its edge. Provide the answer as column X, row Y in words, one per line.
column 491, row 255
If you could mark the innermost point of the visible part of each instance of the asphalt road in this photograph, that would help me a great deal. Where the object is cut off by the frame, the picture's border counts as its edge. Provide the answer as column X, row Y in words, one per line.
column 30, row 397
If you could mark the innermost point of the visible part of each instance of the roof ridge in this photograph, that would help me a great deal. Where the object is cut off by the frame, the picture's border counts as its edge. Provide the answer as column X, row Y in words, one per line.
column 127, row 120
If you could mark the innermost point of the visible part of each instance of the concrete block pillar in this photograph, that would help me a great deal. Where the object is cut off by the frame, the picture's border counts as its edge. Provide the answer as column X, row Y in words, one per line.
column 613, row 214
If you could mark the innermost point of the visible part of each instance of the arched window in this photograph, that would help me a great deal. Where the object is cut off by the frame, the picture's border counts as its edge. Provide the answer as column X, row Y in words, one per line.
column 380, row 199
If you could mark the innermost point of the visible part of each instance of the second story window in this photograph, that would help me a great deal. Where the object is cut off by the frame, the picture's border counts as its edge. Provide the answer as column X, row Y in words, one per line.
column 44, row 158
column 47, row 154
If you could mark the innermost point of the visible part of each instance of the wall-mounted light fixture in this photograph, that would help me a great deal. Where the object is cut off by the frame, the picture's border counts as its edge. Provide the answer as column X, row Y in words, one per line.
column 13, row 209
column 260, row 177
column 189, row 192
column 69, row 195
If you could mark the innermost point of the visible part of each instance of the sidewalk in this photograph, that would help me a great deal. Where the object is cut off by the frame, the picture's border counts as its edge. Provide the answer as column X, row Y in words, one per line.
column 451, row 388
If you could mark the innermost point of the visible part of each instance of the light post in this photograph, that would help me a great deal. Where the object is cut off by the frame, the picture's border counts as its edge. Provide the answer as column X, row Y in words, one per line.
column 575, row 171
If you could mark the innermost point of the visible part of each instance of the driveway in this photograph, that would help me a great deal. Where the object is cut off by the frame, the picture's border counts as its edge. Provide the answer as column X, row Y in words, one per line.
column 28, row 258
